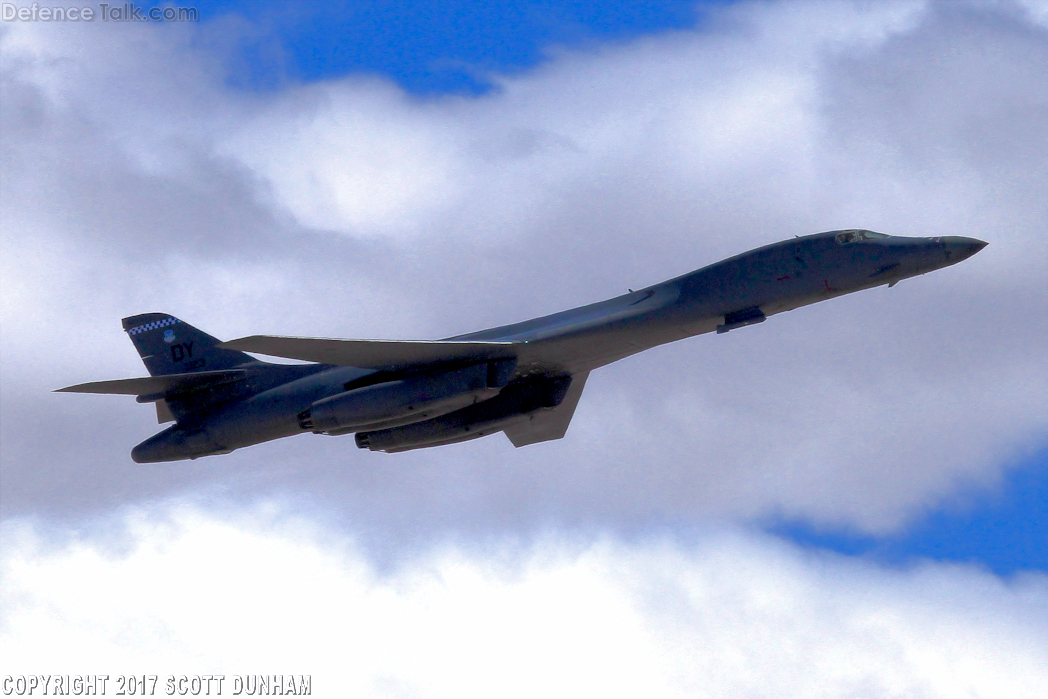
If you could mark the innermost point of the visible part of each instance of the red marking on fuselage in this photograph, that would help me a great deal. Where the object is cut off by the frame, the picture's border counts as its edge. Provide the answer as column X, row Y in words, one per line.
column 782, row 279
column 826, row 283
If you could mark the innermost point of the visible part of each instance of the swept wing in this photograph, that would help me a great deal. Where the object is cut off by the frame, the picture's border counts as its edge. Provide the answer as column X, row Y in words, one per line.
column 378, row 354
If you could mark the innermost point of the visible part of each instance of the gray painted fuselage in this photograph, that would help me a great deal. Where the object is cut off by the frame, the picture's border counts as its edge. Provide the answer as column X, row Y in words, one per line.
column 426, row 394
column 774, row 278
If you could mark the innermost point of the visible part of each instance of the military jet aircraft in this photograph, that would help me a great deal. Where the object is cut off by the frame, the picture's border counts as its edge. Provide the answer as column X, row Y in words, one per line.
column 523, row 379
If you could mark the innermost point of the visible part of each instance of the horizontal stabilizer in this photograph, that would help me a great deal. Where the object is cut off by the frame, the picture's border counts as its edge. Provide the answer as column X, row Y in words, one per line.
column 371, row 353
column 154, row 385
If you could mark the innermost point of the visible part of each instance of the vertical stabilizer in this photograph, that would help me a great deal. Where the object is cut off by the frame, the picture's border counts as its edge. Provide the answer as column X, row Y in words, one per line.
column 168, row 345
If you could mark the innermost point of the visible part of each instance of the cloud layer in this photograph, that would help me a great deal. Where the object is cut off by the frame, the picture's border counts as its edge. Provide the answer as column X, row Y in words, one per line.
column 620, row 560
column 184, row 592
column 136, row 181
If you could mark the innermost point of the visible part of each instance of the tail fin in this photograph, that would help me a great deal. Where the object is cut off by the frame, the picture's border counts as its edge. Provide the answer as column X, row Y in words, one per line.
column 168, row 345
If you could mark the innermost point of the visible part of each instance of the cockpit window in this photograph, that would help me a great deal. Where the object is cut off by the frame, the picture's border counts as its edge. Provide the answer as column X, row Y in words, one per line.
column 855, row 236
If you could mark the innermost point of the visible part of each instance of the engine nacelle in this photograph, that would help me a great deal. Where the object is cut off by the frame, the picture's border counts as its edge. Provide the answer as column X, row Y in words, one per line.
column 513, row 404
column 406, row 400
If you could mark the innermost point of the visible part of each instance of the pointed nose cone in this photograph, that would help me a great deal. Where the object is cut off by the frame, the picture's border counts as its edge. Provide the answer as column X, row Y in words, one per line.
column 960, row 248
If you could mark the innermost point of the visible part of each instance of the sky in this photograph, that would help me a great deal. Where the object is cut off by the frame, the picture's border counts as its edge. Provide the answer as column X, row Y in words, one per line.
column 847, row 500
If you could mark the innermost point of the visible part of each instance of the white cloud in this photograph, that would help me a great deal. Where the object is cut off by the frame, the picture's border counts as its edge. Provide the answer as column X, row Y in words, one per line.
column 136, row 181
column 175, row 590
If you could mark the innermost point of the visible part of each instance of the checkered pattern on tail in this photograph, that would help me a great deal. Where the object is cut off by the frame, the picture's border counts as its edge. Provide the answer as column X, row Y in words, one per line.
column 168, row 345
column 152, row 326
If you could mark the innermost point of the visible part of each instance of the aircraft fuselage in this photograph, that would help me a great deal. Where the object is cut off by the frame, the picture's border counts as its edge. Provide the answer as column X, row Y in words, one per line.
column 515, row 378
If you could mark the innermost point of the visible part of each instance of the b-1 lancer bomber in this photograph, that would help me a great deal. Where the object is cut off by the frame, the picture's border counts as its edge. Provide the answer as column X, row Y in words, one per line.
column 523, row 379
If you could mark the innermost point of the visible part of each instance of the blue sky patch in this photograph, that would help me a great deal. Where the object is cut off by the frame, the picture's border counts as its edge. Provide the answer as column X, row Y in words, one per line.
column 1005, row 530
column 427, row 47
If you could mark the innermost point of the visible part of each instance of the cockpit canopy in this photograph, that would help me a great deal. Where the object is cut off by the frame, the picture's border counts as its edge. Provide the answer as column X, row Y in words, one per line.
column 857, row 235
